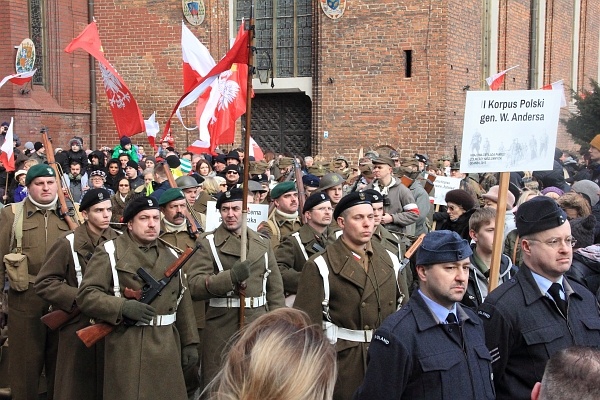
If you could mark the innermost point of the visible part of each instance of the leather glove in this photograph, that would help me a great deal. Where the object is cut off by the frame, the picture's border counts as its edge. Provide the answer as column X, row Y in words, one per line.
column 240, row 271
column 3, row 319
column 189, row 356
column 137, row 311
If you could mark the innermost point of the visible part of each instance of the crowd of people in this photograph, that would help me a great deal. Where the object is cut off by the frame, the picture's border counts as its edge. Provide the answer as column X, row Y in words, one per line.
column 355, row 286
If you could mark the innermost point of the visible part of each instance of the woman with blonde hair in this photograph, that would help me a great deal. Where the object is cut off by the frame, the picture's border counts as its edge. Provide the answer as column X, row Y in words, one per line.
column 278, row 356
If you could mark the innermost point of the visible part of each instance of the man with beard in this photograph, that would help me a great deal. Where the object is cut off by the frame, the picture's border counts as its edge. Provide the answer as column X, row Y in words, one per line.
column 174, row 230
column 79, row 370
column 349, row 289
column 433, row 348
column 39, row 224
column 158, row 337
column 219, row 273
column 297, row 248
column 284, row 219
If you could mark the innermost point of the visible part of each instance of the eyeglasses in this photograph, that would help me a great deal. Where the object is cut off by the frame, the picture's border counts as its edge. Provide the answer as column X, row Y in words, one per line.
column 123, row 185
column 232, row 173
column 555, row 243
column 452, row 208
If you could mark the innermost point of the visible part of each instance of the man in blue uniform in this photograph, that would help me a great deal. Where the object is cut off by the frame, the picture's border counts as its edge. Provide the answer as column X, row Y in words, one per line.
column 540, row 311
column 433, row 348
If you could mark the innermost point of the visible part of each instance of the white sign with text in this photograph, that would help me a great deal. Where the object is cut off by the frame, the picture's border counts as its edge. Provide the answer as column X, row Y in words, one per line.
column 444, row 184
column 510, row 130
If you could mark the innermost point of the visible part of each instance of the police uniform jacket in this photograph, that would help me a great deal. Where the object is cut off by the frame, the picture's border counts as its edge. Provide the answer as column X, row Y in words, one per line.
column 359, row 300
column 141, row 362
column 291, row 259
column 79, row 370
column 524, row 328
column 413, row 356
column 207, row 282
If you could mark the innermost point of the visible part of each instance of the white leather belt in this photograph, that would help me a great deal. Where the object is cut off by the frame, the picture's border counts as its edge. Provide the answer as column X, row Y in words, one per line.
column 234, row 302
column 355, row 336
column 160, row 320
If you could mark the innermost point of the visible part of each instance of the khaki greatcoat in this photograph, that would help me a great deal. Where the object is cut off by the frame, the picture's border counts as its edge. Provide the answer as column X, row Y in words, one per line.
column 141, row 362
column 359, row 300
column 207, row 282
column 79, row 370
column 32, row 345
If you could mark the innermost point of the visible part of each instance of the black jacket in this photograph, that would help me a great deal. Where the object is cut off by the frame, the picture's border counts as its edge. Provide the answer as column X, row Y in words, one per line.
column 412, row 356
column 524, row 328
column 586, row 268
column 460, row 226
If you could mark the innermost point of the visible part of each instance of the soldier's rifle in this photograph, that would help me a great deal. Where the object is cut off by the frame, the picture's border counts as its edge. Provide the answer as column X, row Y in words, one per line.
column 73, row 223
column 147, row 294
column 300, row 186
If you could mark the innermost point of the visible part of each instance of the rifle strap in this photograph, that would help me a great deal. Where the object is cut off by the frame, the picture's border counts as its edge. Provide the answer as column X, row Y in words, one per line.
column 71, row 238
column 109, row 246
column 297, row 236
column 17, row 228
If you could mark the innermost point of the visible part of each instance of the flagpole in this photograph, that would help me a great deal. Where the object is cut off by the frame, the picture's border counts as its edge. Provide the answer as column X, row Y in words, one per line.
column 244, row 239
column 5, row 189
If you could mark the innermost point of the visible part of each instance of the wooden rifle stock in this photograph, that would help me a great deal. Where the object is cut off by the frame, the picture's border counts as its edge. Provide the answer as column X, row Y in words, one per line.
column 90, row 335
column 64, row 210
column 411, row 250
column 57, row 318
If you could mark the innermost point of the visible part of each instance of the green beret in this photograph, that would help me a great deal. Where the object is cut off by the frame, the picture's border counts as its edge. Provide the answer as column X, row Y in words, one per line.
column 283, row 188
column 170, row 195
column 39, row 171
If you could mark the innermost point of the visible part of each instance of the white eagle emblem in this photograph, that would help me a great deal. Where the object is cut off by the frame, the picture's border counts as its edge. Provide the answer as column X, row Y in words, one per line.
column 228, row 89
column 112, row 85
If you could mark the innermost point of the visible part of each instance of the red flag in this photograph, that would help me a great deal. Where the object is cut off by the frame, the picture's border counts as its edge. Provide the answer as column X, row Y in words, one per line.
column 7, row 157
column 18, row 79
column 255, row 150
column 124, row 108
column 197, row 60
column 496, row 80
column 237, row 54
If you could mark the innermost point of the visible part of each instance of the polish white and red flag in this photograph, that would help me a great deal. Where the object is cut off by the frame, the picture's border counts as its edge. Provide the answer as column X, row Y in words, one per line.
column 558, row 85
column 7, row 157
column 18, row 79
column 126, row 113
column 496, row 80
column 237, row 54
column 255, row 150
column 152, row 129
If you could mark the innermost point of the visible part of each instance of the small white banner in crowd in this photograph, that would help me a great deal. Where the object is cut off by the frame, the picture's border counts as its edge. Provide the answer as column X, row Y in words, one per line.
column 510, row 130
column 443, row 185
column 257, row 213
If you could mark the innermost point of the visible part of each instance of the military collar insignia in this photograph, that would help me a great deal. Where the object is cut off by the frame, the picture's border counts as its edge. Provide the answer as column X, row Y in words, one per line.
column 361, row 196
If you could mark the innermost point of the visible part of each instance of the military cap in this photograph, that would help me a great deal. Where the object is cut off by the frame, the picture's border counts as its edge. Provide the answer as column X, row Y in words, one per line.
column 314, row 200
column 254, row 186
column 137, row 205
column 98, row 172
column 421, row 158
column 260, row 178
column 539, row 214
column 441, row 247
column 350, row 200
column 258, row 167
column 374, row 196
column 169, row 195
column 186, row 182
column 282, row 188
column 394, row 155
column 132, row 164
column 310, row 180
column 39, row 171
column 173, row 161
column 93, row 197
column 366, row 170
column 384, row 160
column 229, row 196
column 285, row 162
column 446, row 158
column 319, row 169
column 455, row 166
column 410, row 162
column 371, row 154
column 330, row 180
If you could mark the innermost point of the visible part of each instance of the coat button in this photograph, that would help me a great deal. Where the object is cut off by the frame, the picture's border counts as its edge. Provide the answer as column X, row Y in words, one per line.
column 171, row 309
column 366, row 328
column 363, row 304
column 391, row 302
column 173, row 292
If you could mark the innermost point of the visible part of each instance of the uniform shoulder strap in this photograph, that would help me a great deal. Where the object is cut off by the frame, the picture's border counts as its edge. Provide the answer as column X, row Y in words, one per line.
column 324, row 272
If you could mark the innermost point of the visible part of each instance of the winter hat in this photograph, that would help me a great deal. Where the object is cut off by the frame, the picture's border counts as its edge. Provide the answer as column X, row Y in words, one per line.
column 582, row 229
column 125, row 140
column 173, row 161
column 186, row 165
column 75, row 142
column 589, row 189
column 492, row 195
column 553, row 189
column 441, row 247
column 596, row 142
column 29, row 146
column 37, row 146
column 461, row 197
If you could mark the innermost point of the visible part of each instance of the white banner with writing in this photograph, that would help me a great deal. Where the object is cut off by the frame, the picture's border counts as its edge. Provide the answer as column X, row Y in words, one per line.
column 510, row 130
column 444, row 184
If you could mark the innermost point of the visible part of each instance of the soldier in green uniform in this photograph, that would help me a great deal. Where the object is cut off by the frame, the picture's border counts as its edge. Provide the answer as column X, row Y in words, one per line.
column 283, row 220
column 33, row 347
column 217, row 275
column 79, row 370
column 144, row 360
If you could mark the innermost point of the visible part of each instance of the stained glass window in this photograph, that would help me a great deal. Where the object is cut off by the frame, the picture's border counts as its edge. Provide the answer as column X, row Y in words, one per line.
column 283, row 34
column 36, row 27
